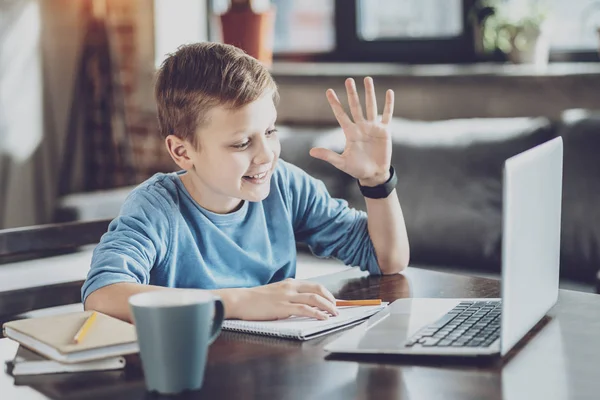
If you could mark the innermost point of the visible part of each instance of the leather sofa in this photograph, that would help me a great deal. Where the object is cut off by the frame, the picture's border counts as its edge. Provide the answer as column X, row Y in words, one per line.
column 450, row 186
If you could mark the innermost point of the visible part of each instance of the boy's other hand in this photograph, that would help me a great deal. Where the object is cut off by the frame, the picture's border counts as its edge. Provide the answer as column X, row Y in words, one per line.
column 284, row 299
column 368, row 150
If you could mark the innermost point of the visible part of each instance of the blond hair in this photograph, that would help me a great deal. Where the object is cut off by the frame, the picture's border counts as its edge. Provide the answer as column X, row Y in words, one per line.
column 201, row 76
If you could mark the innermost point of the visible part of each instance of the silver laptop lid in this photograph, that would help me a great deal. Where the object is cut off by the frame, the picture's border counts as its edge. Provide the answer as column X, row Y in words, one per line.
column 531, row 238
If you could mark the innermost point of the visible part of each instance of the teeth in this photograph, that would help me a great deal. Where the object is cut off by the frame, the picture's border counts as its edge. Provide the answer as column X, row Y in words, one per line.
column 259, row 176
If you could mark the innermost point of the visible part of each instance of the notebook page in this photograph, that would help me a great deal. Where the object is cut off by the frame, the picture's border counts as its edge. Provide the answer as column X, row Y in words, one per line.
column 301, row 327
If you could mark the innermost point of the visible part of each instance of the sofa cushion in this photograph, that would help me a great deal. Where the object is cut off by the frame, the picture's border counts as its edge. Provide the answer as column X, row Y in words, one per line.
column 580, row 230
column 450, row 183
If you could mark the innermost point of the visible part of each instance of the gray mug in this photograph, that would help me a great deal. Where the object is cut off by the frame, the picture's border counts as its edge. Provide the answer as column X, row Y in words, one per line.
column 174, row 329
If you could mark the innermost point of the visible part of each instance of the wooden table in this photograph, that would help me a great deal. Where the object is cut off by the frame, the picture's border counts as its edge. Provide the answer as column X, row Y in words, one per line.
column 560, row 360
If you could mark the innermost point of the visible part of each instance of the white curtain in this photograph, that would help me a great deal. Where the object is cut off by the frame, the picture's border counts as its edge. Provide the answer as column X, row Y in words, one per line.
column 39, row 43
column 21, row 110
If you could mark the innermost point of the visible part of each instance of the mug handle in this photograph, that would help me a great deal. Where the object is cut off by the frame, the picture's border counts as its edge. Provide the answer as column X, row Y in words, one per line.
column 217, row 320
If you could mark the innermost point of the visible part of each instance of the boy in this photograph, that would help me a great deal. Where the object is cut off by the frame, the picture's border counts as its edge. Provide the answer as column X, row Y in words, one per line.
column 229, row 221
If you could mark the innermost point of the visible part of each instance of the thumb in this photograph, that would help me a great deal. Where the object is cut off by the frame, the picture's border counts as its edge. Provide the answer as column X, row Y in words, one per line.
column 330, row 156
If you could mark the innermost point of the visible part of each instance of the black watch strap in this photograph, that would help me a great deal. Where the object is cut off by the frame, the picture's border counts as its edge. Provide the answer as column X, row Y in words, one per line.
column 380, row 191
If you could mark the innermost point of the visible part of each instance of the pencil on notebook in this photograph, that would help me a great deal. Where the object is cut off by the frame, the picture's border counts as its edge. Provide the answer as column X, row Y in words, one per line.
column 373, row 302
column 84, row 328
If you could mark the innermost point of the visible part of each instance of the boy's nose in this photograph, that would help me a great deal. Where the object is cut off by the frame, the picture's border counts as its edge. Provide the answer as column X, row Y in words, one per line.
column 264, row 153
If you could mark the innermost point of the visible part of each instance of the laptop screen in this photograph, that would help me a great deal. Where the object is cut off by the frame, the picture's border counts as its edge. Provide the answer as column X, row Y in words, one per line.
column 532, row 195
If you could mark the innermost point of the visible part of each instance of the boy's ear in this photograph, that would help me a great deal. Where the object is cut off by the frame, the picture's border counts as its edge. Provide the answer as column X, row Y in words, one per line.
column 178, row 149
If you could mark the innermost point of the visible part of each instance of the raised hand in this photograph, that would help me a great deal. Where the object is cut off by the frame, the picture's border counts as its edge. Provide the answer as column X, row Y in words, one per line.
column 368, row 150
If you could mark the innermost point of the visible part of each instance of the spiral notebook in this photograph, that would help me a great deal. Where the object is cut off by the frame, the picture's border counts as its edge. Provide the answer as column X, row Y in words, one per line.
column 304, row 328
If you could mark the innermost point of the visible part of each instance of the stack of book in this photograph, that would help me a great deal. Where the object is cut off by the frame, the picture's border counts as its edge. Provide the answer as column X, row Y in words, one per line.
column 80, row 341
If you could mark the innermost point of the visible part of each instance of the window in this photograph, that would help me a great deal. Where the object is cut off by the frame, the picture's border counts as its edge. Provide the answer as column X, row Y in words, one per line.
column 409, row 19
column 334, row 30
column 304, row 26
column 574, row 24
column 409, row 31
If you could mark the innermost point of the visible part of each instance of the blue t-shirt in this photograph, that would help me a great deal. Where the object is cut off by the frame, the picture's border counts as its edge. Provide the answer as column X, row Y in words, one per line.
column 163, row 237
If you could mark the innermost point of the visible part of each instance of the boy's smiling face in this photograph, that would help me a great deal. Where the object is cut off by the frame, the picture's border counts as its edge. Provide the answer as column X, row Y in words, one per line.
column 238, row 152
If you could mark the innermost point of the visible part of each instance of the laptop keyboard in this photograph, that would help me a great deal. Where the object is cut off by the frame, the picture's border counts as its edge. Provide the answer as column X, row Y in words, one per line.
column 469, row 324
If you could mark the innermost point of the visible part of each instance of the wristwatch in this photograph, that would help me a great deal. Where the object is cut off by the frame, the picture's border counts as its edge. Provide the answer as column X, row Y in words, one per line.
column 380, row 191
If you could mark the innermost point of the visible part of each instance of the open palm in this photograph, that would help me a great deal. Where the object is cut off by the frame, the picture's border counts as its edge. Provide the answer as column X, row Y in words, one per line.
column 368, row 150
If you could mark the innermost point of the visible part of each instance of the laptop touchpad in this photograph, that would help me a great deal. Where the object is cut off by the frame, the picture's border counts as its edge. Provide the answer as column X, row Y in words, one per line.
column 403, row 319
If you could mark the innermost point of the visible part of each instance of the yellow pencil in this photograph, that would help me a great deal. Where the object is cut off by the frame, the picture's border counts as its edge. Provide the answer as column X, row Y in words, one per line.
column 84, row 328
column 374, row 302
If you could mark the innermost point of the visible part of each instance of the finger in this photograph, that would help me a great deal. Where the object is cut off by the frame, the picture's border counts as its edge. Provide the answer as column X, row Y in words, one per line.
column 315, row 300
column 302, row 310
column 313, row 287
column 354, row 101
column 388, row 110
column 330, row 156
column 370, row 100
column 337, row 108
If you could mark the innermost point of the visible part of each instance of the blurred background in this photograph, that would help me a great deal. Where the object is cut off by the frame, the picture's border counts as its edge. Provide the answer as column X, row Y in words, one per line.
column 476, row 81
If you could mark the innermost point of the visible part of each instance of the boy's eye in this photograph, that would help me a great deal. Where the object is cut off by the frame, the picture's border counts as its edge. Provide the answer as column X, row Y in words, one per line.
column 245, row 144
column 241, row 145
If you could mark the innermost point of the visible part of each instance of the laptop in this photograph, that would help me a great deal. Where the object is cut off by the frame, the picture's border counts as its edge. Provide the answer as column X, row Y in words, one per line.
column 532, row 192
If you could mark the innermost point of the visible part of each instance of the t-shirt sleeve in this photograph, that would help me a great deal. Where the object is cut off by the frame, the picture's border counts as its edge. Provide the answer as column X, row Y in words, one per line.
column 135, row 241
column 327, row 225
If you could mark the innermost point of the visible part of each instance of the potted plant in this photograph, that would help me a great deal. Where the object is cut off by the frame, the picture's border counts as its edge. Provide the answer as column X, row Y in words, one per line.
column 249, row 25
column 516, row 29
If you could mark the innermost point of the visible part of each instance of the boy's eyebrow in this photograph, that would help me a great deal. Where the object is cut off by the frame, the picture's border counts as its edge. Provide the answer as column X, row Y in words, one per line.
column 244, row 131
